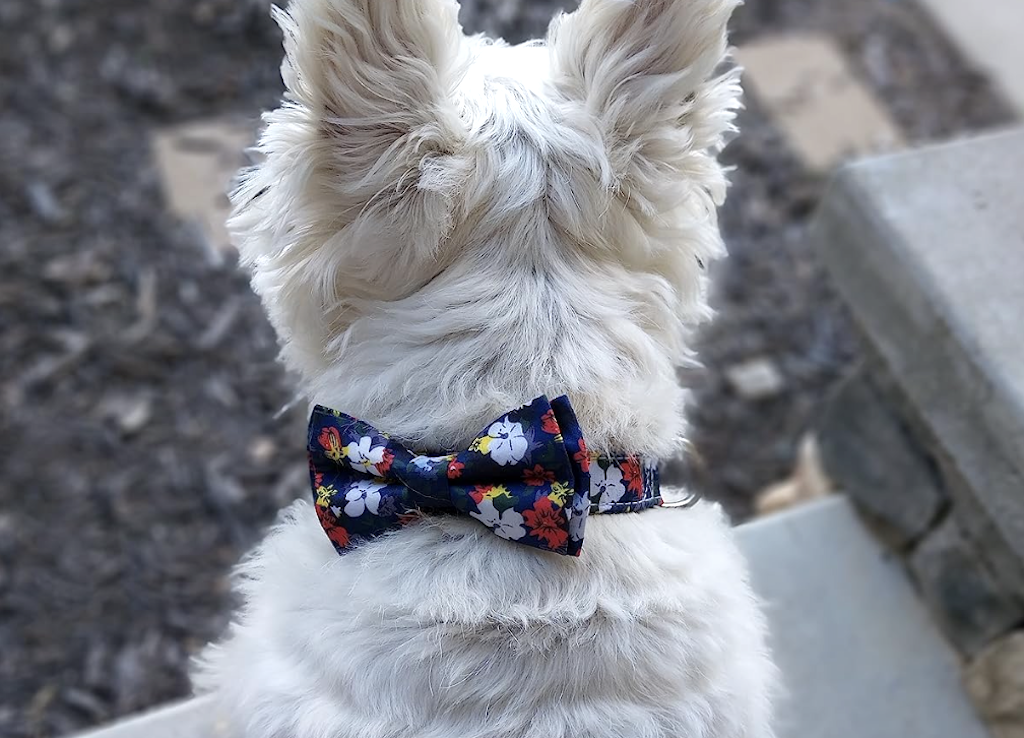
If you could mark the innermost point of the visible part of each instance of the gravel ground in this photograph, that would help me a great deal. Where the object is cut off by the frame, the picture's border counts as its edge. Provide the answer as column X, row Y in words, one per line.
column 141, row 443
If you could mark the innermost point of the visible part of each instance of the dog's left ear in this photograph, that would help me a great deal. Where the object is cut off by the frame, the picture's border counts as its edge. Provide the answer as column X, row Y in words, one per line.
column 353, row 198
column 644, row 72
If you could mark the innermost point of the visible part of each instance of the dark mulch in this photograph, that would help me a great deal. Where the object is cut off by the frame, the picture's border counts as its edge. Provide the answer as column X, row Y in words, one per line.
column 140, row 447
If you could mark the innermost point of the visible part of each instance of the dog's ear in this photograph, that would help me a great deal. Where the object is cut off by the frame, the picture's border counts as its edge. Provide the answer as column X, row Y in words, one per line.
column 352, row 199
column 643, row 72
column 642, row 77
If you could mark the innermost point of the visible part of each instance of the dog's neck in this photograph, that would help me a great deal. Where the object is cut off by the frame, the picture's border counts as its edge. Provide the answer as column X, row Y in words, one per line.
column 483, row 336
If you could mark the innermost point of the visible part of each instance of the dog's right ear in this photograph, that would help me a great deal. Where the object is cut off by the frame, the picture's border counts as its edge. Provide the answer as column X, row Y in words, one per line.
column 352, row 200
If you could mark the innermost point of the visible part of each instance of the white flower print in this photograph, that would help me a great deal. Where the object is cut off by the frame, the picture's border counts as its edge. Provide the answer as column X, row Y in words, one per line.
column 508, row 525
column 608, row 484
column 507, row 443
column 363, row 457
column 363, row 496
column 578, row 521
column 426, row 462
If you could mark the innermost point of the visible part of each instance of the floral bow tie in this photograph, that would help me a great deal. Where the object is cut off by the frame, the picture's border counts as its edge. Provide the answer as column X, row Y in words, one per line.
column 526, row 477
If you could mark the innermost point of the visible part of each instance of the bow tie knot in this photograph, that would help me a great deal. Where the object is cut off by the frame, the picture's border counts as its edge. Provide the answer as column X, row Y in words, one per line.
column 526, row 477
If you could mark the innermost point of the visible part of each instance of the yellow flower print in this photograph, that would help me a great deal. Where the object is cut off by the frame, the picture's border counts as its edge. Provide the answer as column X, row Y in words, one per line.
column 487, row 492
column 324, row 495
column 481, row 445
column 559, row 493
column 496, row 491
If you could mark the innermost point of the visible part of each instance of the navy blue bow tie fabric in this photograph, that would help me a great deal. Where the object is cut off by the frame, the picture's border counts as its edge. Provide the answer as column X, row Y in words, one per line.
column 526, row 477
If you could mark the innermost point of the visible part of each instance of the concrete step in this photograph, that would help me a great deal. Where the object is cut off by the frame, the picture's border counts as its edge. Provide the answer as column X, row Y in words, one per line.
column 858, row 650
column 926, row 248
column 859, row 654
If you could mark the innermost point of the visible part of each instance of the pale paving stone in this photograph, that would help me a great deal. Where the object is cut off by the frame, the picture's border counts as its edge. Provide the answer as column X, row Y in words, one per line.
column 807, row 483
column 755, row 379
column 989, row 33
column 995, row 681
column 826, row 114
column 197, row 162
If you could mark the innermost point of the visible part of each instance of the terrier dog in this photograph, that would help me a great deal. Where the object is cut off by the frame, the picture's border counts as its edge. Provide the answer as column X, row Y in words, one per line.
column 443, row 228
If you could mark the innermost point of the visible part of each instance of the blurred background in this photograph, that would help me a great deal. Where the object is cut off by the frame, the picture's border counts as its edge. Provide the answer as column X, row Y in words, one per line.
column 147, row 435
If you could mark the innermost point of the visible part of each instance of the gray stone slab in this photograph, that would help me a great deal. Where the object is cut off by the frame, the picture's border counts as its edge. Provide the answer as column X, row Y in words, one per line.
column 859, row 652
column 869, row 452
column 966, row 598
column 927, row 248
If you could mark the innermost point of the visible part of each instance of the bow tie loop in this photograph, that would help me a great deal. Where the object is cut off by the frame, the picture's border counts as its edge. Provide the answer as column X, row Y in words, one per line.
column 525, row 477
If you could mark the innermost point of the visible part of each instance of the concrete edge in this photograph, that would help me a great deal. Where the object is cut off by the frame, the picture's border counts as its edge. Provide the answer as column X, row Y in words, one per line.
column 187, row 718
column 859, row 246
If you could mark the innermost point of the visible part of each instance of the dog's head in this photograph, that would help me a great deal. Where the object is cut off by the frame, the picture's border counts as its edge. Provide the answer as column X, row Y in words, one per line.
column 452, row 224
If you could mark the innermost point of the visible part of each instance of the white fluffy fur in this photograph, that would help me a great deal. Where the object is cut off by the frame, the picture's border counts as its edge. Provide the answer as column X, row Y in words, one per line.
column 444, row 630
column 444, row 228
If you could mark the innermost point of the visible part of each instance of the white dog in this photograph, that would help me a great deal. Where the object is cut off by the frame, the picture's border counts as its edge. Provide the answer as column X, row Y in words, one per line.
column 442, row 229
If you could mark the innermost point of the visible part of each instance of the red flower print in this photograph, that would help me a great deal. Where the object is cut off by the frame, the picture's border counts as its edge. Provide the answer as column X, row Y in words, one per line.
column 334, row 531
column 325, row 521
column 385, row 465
column 455, row 469
column 329, row 437
column 330, row 441
column 479, row 492
column 582, row 457
column 318, row 479
column 546, row 522
column 339, row 535
column 538, row 476
column 548, row 423
column 633, row 475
